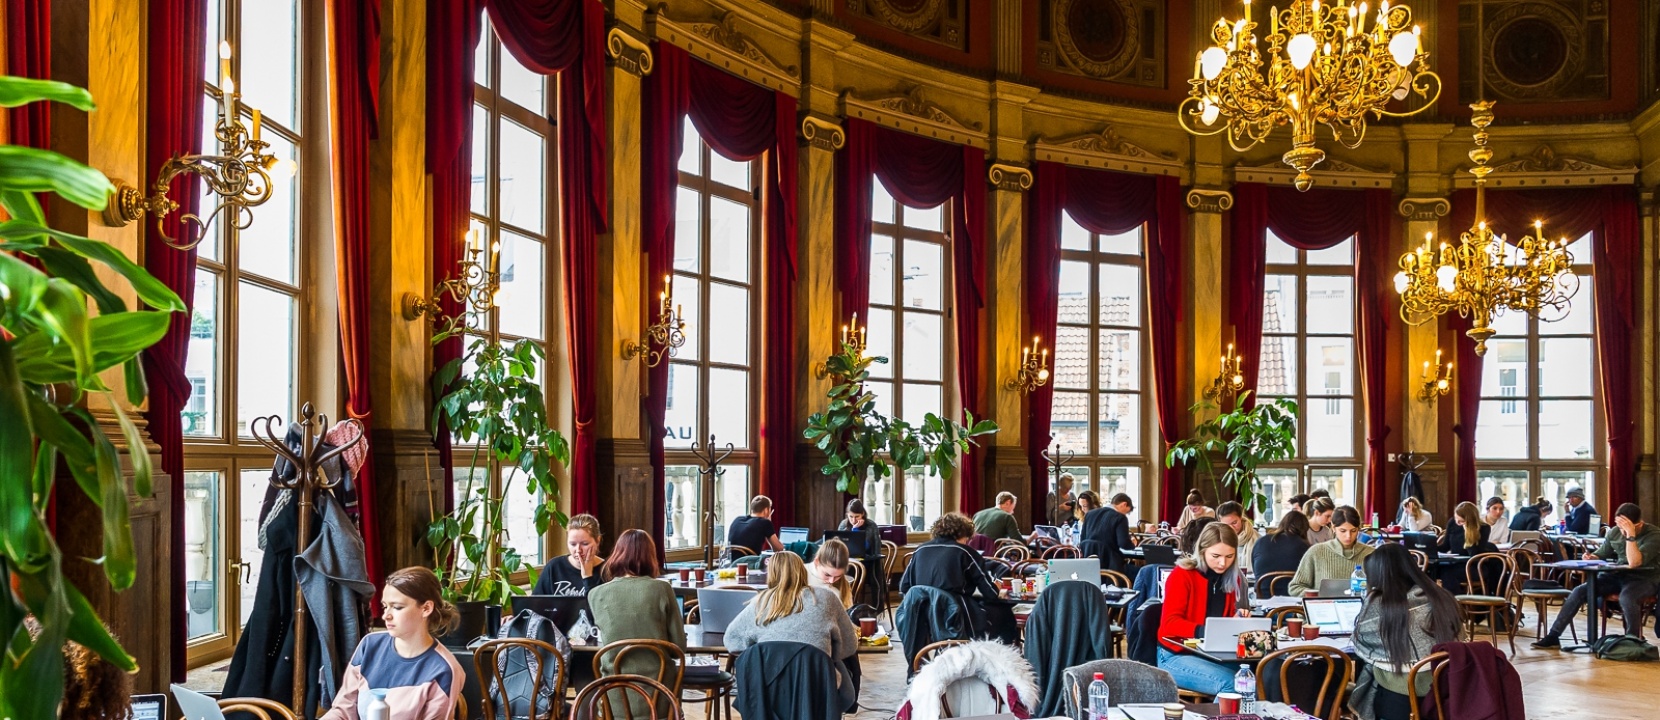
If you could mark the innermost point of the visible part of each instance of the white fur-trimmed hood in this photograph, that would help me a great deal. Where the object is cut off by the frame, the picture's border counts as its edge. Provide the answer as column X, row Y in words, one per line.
column 998, row 665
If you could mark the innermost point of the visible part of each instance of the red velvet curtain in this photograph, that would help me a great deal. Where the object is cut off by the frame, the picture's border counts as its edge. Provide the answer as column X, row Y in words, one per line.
column 921, row 173
column 741, row 121
column 1468, row 395
column 1315, row 220
column 173, row 124
column 356, row 27
column 1107, row 203
column 1610, row 214
column 546, row 36
column 29, row 54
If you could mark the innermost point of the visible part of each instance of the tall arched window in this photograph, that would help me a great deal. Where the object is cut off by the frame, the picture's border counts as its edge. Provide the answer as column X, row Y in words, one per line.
column 1540, row 431
column 1100, row 370
column 909, row 323
column 1308, row 355
column 712, row 378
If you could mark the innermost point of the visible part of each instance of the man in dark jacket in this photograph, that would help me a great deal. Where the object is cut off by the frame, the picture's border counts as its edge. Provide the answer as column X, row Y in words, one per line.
column 947, row 563
column 1106, row 535
column 1579, row 512
column 791, row 681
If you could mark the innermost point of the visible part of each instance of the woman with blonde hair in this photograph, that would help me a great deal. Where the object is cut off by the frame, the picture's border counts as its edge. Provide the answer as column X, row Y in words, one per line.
column 573, row 575
column 1205, row 584
column 792, row 610
column 420, row 678
column 829, row 570
column 1414, row 518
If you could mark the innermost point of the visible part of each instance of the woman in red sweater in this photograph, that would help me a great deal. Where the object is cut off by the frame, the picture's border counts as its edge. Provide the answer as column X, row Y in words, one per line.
column 1203, row 585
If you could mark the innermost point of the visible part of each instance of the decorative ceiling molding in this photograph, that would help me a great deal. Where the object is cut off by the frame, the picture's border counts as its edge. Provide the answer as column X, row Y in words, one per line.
column 721, row 43
column 1332, row 173
column 1009, row 177
column 909, row 112
column 822, row 134
column 1106, row 150
column 1544, row 168
column 1424, row 208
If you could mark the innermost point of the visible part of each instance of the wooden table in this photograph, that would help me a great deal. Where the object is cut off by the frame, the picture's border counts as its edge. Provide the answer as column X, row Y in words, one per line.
column 755, row 581
column 1593, row 613
column 1233, row 658
column 699, row 642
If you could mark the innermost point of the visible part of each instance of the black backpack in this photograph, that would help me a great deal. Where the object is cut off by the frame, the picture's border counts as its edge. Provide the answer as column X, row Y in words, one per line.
column 520, row 669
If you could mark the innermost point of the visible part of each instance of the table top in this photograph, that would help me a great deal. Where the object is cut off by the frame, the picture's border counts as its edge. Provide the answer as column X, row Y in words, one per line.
column 754, row 581
column 699, row 642
column 1233, row 658
column 1121, row 600
column 1581, row 566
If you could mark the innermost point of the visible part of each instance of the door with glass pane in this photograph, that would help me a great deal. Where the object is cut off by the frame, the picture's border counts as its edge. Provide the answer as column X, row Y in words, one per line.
column 222, row 550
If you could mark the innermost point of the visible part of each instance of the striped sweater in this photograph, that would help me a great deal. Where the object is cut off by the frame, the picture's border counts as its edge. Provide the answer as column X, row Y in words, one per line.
column 423, row 687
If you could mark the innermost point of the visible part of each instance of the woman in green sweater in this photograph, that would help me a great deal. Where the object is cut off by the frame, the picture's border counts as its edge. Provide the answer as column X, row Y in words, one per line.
column 1334, row 558
column 635, row 605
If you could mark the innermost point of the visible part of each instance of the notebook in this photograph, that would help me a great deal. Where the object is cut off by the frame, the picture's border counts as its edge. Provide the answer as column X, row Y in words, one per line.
column 1334, row 616
column 1222, row 634
column 792, row 534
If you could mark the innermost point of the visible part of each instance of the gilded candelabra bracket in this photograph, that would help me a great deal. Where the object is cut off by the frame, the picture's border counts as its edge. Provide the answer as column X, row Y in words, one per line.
column 474, row 289
column 1436, row 379
column 1230, row 379
column 239, row 175
column 663, row 338
column 1034, row 369
column 1330, row 63
column 853, row 338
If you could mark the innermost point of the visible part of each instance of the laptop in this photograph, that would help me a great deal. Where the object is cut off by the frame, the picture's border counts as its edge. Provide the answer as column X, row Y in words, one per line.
column 1521, row 536
column 895, row 534
column 1086, row 569
column 1334, row 616
column 1222, row 634
column 1164, row 577
column 196, row 706
column 1158, row 554
column 719, row 606
column 1334, row 588
column 560, row 610
column 1050, row 531
column 792, row 534
column 149, row 707
column 1595, row 527
column 1423, row 542
column 853, row 539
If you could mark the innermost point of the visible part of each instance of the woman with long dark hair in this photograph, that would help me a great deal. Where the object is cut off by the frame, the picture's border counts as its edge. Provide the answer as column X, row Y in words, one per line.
column 1283, row 548
column 1405, row 615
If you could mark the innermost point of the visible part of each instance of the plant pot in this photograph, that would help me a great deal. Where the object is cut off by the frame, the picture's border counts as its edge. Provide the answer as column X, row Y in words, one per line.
column 492, row 620
column 474, row 619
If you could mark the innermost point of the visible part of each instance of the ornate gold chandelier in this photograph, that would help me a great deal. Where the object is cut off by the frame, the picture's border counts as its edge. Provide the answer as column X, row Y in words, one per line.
column 1485, row 274
column 1321, row 63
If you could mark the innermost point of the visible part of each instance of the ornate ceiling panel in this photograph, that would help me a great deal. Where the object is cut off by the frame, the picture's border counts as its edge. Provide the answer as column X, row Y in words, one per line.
column 1115, row 40
column 1538, row 51
column 941, row 21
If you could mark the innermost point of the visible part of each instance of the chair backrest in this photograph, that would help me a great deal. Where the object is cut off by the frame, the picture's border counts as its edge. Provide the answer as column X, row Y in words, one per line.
column 608, row 699
column 668, row 659
column 1435, row 664
column 460, row 707
column 1422, row 558
column 1131, row 683
column 740, row 551
column 1062, row 551
column 1116, row 579
column 1013, row 553
column 260, row 707
column 890, row 556
column 1488, row 574
column 856, row 577
column 1312, row 677
column 1274, row 584
column 1008, row 568
column 929, row 651
column 496, row 663
column 1281, row 614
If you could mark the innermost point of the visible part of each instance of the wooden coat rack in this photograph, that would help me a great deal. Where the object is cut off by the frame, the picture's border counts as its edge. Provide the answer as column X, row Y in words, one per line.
column 712, row 457
column 308, row 479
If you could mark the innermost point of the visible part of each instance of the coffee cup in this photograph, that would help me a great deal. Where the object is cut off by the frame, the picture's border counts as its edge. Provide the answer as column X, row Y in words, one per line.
column 685, row 574
column 867, row 627
column 1229, row 702
column 1173, row 711
column 1311, row 593
column 1311, row 632
column 743, row 571
column 700, row 573
column 1294, row 627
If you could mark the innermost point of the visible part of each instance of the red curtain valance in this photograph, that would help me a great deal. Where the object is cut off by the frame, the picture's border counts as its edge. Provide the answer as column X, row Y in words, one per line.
column 1108, row 203
column 741, row 121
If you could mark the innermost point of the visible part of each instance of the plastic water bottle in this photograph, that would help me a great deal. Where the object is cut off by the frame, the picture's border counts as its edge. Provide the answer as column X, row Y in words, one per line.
column 1357, row 582
column 1245, row 683
column 378, row 709
column 1250, row 591
column 581, row 630
column 1098, row 698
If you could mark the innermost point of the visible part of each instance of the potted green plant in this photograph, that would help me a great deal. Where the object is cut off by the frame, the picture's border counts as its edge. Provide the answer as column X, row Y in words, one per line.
column 858, row 441
column 1246, row 439
column 489, row 398
column 52, row 350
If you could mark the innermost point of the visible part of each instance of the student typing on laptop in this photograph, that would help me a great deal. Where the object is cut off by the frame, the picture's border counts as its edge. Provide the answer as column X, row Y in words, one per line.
column 859, row 520
column 1204, row 585
column 1405, row 615
column 755, row 530
column 1334, row 558
column 420, row 677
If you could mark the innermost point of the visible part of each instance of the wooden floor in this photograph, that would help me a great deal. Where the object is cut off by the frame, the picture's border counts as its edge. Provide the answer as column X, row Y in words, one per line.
column 1556, row 684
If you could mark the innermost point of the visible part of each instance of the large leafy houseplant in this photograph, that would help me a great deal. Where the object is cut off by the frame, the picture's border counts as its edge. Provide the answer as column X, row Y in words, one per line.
column 52, row 351
column 1246, row 439
column 855, row 437
column 498, row 407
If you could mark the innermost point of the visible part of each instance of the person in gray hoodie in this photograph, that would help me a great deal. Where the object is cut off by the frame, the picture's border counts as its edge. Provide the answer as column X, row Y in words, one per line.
column 1405, row 615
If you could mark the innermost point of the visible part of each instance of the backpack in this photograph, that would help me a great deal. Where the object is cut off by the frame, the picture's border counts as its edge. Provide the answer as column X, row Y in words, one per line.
column 1624, row 647
column 520, row 669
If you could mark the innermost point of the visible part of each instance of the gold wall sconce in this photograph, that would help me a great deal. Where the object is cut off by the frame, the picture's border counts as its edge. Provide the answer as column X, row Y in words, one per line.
column 1230, row 380
column 1034, row 369
column 239, row 175
column 475, row 290
column 853, row 339
column 665, row 337
column 1436, row 379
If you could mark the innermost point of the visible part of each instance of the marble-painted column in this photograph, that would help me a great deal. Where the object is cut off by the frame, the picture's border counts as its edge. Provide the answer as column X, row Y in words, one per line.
column 818, row 505
column 1648, row 343
column 1421, row 417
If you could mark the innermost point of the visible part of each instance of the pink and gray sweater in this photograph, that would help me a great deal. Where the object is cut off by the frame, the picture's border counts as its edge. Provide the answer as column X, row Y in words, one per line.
column 423, row 687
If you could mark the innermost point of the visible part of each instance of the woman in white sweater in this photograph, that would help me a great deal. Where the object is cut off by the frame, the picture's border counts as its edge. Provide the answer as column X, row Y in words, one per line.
column 1414, row 518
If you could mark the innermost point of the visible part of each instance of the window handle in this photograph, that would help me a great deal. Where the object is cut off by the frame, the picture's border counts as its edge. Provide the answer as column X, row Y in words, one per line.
column 240, row 570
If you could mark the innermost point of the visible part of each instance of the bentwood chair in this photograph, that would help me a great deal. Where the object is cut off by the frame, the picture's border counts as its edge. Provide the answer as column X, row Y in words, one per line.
column 495, row 659
column 1422, row 558
column 1487, row 579
column 670, row 661
column 734, row 552
column 1274, row 584
column 1278, row 616
column 608, row 698
column 929, row 651
column 1062, row 551
column 1545, row 594
column 1014, row 554
column 856, row 579
column 1434, row 664
column 260, row 707
column 1313, row 677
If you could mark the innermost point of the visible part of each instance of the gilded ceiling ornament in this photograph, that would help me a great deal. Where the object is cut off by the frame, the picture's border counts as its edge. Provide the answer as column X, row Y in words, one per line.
column 908, row 16
column 911, row 103
column 1099, row 38
column 725, row 33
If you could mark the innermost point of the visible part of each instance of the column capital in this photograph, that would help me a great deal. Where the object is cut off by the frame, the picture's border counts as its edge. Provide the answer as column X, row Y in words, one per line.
column 630, row 53
column 1209, row 200
column 1646, row 202
column 1424, row 208
column 822, row 134
column 1009, row 177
